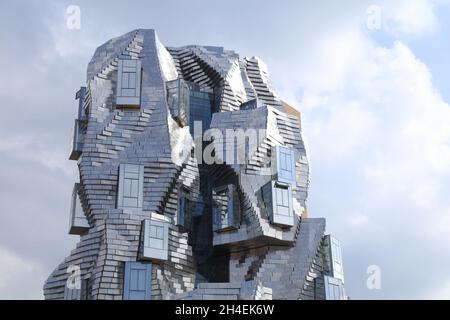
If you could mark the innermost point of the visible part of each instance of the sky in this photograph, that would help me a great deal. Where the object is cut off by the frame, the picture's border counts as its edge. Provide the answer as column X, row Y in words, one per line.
column 371, row 79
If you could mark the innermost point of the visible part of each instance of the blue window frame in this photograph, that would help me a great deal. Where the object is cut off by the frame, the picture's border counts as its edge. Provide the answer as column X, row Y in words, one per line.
column 156, row 240
column 277, row 203
column 137, row 281
column 131, row 186
column 129, row 82
column 285, row 161
column 282, row 212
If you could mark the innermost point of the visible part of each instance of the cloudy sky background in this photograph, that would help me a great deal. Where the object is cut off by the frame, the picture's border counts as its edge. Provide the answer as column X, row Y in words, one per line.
column 374, row 104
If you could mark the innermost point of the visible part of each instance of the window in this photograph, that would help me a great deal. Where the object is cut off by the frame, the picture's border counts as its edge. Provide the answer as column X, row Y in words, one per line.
column 156, row 240
column 137, row 281
column 72, row 294
column 77, row 139
column 201, row 107
column 282, row 212
column 334, row 290
column 131, row 186
column 277, row 202
column 334, row 257
column 226, row 208
column 129, row 83
column 282, row 203
column 80, row 97
column 285, row 165
column 78, row 223
column 74, row 290
column 178, row 100
column 184, row 212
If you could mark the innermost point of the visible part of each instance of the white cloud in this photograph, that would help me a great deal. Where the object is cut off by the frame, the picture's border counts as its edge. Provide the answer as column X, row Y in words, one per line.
column 19, row 278
column 358, row 220
column 347, row 126
column 381, row 130
column 378, row 130
column 34, row 149
column 406, row 17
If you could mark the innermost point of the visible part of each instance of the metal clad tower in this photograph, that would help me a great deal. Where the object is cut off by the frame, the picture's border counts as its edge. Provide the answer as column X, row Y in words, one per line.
column 193, row 181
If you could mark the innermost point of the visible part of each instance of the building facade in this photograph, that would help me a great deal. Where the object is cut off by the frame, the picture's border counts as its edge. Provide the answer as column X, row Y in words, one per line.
column 193, row 181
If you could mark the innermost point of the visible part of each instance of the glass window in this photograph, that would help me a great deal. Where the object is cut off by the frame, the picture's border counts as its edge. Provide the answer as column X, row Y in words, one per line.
column 77, row 139
column 336, row 258
column 334, row 289
column 178, row 100
column 285, row 165
column 131, row 186
column 281, row 205
column 137, row 281
column 129, row 83
column 184, row 210
column 156, row 240
column 226, row 208
column 78, row 223
column 80, row 95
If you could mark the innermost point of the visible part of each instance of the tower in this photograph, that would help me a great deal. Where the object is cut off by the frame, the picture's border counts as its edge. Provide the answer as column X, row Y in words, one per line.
column 193, row 182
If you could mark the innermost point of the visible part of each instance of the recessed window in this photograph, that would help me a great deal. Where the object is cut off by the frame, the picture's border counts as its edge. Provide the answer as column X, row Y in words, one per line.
column 184, row 210
column 129, row 83
column 226, row 208
column 137, row 281
column 131, row 186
